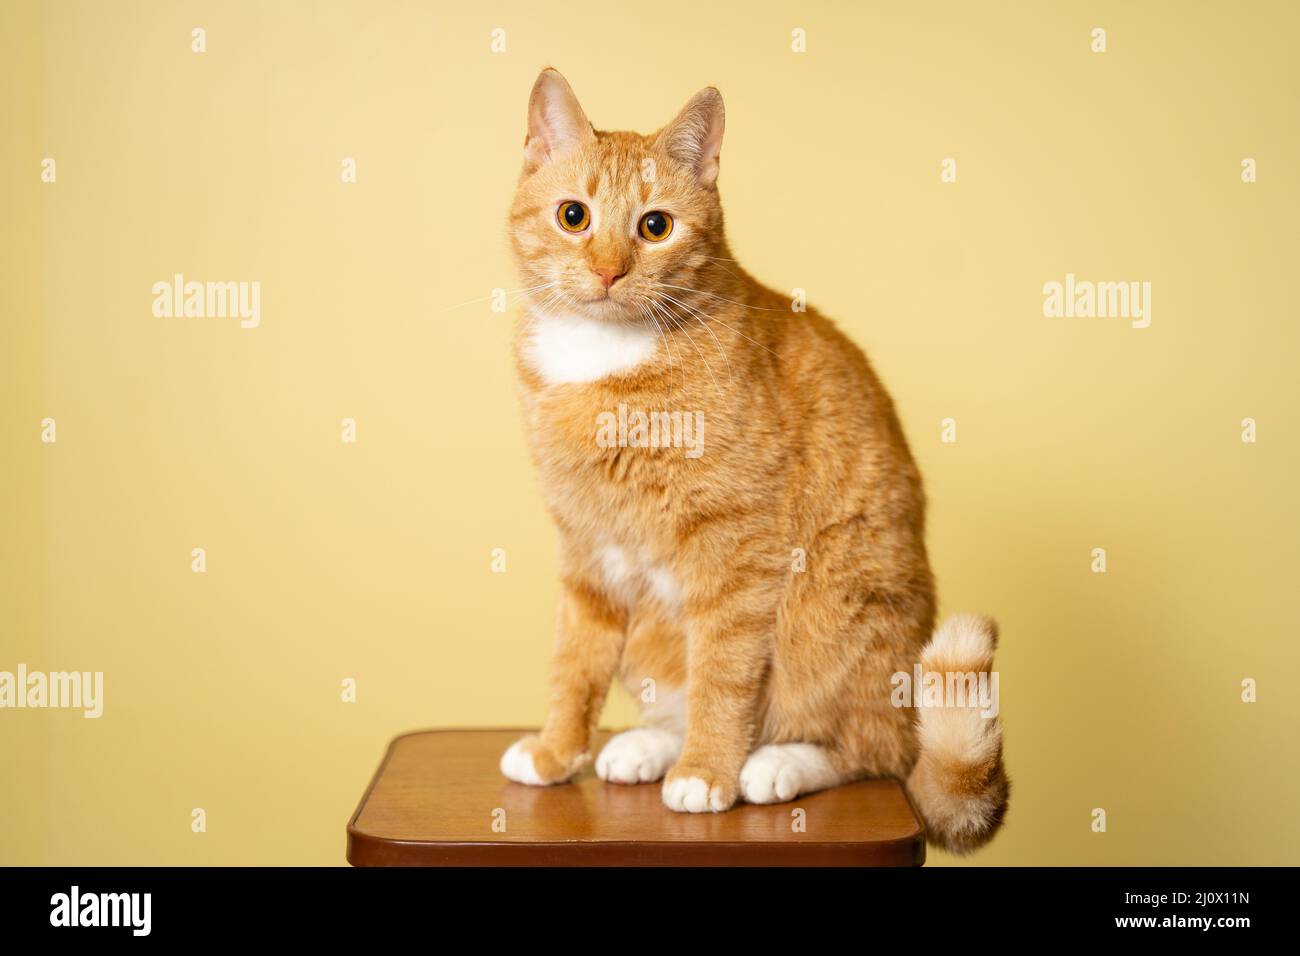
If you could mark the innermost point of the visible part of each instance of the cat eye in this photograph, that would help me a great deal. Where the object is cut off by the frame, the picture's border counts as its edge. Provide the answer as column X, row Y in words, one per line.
column 655, row 226
column 573, row 216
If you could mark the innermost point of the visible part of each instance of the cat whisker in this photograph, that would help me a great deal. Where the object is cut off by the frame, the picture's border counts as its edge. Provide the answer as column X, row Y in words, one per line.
column 681, row 327
column 744, row 336
column 730, row 328
column 696, row 314
column 757, row 308
column 554, row 299
column 661, row 317
column 717, row 259
column 646, row 313
column 526, row 291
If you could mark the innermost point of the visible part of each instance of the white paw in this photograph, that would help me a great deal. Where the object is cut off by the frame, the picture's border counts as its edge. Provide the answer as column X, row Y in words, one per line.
column 693, row 795
column 638, row 756
column 780, row 772
column 517, row 765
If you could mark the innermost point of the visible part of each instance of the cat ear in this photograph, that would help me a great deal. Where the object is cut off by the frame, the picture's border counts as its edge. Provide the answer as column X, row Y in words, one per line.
column 694, row 138
column 556, row 122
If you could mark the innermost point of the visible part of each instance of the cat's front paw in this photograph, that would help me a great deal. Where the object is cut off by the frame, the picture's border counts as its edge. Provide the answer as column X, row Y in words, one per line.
column 780, row 772
column 529, row 760
column 642, row 755
column 690, row 789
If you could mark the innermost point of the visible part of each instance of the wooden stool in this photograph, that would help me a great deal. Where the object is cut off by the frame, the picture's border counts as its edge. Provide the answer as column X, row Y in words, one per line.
column 438, row 799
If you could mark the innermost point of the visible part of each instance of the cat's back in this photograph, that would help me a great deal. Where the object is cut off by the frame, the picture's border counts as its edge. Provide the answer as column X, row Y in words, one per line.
column 822, row 372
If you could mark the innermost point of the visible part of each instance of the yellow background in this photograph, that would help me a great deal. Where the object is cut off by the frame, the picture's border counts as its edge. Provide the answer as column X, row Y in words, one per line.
column 372, row 561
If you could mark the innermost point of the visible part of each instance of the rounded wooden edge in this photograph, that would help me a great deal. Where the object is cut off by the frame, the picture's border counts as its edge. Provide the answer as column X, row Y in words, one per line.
column 365, row 850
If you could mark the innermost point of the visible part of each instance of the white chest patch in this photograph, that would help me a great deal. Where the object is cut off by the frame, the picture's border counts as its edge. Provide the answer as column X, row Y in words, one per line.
column 571, row 348
column 631, row 580
column 616, row 569
column 664, row 587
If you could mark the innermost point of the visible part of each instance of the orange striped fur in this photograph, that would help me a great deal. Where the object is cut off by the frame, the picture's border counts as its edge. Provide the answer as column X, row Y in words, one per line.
column 683, row 577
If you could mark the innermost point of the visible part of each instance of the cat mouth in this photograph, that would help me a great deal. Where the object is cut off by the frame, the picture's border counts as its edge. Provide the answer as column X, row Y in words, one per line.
column 604, row 307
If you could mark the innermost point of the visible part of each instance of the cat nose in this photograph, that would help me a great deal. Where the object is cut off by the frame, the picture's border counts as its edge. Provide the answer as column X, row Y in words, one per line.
column 609, row 274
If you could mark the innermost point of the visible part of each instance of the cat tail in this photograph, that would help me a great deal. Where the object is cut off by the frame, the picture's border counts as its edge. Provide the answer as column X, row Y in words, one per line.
column 959, row 782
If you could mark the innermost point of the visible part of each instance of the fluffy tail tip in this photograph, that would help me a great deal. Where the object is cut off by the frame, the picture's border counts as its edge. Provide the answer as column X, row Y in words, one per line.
column 959, row 782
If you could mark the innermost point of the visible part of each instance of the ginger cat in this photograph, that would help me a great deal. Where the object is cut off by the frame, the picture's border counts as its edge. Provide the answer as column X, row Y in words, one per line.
column 759, row 579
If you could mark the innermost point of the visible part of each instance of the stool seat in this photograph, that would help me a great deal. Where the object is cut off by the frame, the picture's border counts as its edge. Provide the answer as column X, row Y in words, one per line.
column 439, row 799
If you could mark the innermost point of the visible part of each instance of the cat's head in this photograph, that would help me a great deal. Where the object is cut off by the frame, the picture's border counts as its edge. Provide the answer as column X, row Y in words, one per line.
column 603, row 220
